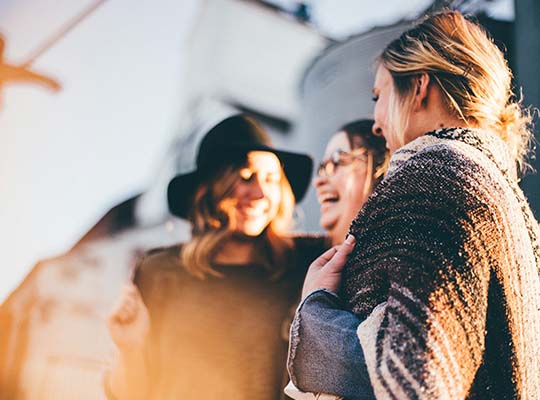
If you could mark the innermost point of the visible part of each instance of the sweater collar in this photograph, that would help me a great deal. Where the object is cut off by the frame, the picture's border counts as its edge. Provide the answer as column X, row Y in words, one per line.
column 488, row 143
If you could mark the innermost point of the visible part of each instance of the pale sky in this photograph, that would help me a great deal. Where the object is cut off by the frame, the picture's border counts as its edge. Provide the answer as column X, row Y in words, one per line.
column 339, row 19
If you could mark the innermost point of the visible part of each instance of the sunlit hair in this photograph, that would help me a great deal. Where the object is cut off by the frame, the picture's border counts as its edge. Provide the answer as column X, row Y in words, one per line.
column 212, row 227
column 469, row 69
column 360, row 135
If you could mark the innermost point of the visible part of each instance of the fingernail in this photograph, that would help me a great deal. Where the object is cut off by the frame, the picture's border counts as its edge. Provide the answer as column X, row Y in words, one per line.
column 349, row 239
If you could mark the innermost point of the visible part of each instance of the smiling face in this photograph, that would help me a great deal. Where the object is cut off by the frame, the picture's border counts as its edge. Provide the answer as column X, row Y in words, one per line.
column 256, row 196
column 343, row 194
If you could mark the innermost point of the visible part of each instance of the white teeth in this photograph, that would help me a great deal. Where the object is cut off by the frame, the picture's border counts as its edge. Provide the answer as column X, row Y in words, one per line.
column 328, row 197
column 254, row 212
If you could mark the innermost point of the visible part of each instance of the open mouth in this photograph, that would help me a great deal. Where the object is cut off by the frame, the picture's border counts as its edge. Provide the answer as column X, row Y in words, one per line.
column 327, row 198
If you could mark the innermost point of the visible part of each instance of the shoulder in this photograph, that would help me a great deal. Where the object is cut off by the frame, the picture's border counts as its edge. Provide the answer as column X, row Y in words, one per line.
column 161, row 258
column 440, row 186
column 439, row 171
column 162, row 255
column 439, row 155
column 157, row 265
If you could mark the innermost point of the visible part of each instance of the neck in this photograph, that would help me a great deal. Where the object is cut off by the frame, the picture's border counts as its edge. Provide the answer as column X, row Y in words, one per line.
column 449, row 122
column 433, row 115
column 435, row 125
column 236, row 251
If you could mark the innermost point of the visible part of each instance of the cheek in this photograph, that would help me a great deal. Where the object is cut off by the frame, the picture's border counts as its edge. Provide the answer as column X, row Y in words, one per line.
column 379, row 113
column 274, row 197
column 238, row 190
column 338, row 183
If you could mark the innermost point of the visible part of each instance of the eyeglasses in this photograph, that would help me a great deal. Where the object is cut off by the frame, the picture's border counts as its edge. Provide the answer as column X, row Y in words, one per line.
column 340, row 158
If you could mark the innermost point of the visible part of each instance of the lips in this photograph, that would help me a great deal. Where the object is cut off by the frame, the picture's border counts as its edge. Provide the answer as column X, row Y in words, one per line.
column 328, row 197
column 253, row 212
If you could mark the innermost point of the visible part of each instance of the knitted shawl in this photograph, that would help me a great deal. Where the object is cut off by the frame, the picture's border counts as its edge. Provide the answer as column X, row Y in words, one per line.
column 446, row 274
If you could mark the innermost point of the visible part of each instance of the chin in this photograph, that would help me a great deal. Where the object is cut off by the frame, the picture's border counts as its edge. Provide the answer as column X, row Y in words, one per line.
column 253, row 233
column 252, row 230
column 327, row 223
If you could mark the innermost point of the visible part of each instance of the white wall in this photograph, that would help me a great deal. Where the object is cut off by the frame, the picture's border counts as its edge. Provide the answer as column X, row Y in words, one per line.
column 66, row 158
column 250, row 55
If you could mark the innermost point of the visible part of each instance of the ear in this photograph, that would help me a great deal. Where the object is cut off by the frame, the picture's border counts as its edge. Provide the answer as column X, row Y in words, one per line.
column 421, row 86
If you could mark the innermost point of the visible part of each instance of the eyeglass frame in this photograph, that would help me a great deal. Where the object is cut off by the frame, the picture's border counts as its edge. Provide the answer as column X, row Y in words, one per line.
column 330, row 166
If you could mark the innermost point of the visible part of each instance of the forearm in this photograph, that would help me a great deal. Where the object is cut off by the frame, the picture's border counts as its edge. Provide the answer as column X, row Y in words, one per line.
column 128, row 378
column 325, row 354
column 420, row 350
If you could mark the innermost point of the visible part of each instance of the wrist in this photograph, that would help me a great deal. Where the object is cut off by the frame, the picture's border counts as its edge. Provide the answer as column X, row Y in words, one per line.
column 128, row 378
column 309, row 292
column 131, row 356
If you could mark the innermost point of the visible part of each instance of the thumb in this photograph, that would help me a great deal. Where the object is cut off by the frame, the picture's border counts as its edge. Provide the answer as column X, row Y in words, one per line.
column 131, row 289
column 341, row 256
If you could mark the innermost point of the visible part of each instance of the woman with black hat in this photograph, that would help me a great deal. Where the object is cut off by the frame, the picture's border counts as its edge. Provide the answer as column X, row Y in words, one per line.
column 205, row 319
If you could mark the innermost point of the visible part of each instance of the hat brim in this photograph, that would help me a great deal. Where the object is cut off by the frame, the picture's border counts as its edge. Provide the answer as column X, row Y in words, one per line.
column 297, row 168
column 180, row 193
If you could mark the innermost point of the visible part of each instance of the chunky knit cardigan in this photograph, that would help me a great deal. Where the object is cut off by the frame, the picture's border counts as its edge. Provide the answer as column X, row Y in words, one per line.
column 446, row 274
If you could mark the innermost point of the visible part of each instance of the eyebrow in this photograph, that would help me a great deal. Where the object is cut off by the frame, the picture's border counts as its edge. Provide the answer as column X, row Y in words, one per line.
column 257, row 170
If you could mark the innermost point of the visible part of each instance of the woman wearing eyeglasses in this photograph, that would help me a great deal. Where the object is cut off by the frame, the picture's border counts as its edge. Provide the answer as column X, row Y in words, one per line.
column 354, row 163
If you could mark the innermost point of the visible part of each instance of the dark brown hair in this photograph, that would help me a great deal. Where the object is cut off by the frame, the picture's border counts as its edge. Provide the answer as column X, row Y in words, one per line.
column 360, row 135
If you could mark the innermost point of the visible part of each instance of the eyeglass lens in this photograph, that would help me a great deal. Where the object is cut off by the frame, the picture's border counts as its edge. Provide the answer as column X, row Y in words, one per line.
column 339, row 157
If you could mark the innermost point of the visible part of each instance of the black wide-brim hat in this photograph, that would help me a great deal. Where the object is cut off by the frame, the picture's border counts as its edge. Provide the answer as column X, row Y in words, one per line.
column 225, row 144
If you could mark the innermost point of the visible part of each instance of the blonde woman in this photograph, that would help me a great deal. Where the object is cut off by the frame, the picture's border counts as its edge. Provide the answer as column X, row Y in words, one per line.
column 443, row 279
column 204, row 319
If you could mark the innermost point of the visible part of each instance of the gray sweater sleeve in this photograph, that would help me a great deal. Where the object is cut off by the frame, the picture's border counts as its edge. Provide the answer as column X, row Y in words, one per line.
column 325, row 354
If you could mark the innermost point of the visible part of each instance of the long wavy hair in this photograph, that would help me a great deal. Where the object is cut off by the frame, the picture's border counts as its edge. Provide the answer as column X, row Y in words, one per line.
column 212, row 227
column 471, row 72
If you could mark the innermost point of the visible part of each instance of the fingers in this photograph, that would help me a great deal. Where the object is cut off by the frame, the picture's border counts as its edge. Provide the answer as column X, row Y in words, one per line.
column 324, row 258
column 325, row 271
column 131, row 290
column 340, row 257
column 335, row 257
column 128, row 306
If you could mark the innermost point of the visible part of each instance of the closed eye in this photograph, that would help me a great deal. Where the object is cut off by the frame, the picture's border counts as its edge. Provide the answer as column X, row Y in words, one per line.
column 246, row 174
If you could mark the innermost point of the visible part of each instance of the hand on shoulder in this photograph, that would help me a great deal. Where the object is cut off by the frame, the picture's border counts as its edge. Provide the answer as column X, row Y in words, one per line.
column 129, row 321
column 325, row 271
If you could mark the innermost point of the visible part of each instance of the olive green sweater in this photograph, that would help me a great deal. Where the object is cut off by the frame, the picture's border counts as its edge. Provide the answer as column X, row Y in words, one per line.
column 219, row 338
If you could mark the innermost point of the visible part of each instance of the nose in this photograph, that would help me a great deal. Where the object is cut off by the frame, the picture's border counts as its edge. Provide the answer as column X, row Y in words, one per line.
column 320, row 180
column 377, row 129
column 256, row 190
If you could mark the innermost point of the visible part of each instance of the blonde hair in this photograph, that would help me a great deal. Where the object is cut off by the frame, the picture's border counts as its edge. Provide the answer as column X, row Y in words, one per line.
column 212, row 227
column 469, row 69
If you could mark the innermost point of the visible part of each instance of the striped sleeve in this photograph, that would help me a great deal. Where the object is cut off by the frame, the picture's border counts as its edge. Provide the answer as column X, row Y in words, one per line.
column 420, row 274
